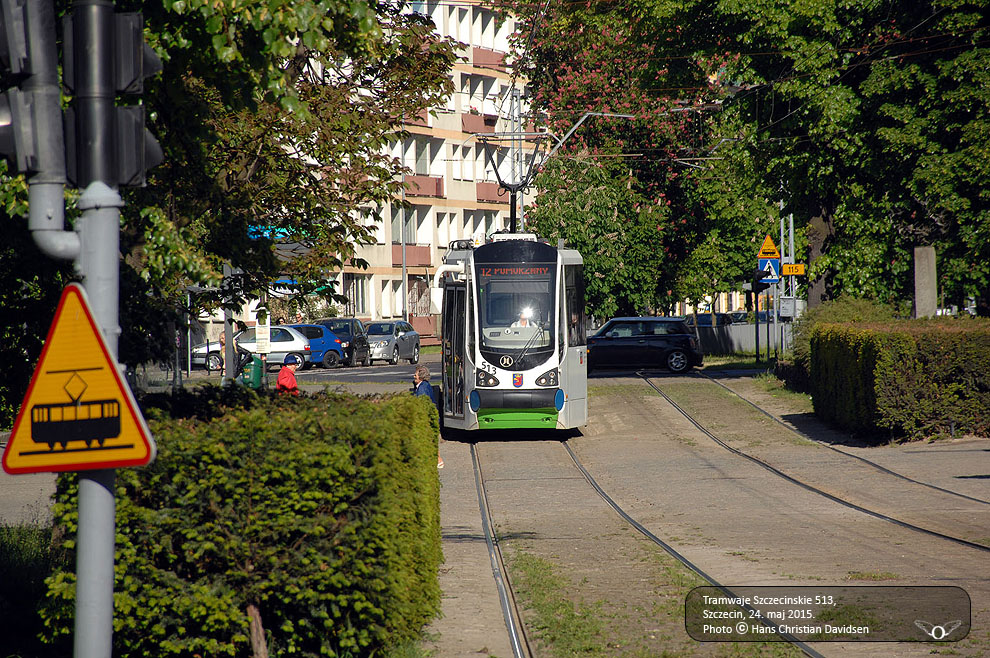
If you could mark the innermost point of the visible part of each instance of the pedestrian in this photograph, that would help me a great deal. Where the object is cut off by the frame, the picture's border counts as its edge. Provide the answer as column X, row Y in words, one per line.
column 422, row 386
column 223, row 354
column 286, row 382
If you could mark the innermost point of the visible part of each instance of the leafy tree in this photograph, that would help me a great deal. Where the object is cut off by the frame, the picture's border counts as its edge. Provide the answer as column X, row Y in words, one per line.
column 867, row 120
column 275, row 119
column 616, row 230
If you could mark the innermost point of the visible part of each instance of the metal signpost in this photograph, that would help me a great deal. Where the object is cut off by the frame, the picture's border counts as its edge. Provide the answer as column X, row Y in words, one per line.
column 768, row 262
column 103, row 146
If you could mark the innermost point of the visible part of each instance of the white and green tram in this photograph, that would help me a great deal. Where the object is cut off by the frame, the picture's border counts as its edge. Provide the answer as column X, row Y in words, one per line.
column 512, row 334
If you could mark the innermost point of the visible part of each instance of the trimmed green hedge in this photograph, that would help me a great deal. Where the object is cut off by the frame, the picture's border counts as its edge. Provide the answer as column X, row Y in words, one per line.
column 321, row 512
column 915, row 378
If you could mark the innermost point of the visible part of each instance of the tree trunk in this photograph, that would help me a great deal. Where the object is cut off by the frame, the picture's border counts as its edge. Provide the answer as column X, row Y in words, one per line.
column 258, row 644
column 821, row 229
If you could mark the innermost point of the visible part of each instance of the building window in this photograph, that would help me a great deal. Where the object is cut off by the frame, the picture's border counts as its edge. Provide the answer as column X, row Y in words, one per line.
column 406, row 217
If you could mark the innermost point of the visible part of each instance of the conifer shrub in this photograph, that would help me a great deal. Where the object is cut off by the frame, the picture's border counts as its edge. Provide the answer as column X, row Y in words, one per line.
column 317, row 516
column 797, row 374
column 914, row 378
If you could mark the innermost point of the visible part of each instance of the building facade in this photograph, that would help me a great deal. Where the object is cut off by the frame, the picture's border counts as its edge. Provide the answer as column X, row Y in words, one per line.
column 452, row 190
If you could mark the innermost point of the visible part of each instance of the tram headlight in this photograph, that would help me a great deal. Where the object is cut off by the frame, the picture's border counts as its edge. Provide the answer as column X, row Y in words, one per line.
column 485, row 379
column 549, row 378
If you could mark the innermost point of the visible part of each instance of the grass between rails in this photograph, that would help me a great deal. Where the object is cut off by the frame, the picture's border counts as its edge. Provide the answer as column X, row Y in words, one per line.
column 565, row 624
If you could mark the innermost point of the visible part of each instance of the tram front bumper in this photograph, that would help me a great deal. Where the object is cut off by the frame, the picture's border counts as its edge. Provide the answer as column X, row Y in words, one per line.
column 503, row 409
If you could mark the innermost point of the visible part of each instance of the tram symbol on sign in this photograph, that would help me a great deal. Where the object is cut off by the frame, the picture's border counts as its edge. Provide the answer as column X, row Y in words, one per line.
column 76, row 420
column 936, row 632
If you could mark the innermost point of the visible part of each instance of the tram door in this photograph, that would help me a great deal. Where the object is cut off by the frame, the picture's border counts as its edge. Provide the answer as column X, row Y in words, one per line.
column 453, row 349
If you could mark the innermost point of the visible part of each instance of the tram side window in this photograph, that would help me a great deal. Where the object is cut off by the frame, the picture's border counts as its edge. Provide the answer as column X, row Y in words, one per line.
column 574, row 290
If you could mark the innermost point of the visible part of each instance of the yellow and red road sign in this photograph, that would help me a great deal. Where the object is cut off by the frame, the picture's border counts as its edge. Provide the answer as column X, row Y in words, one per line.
column 78, row 413
column 792, row 269
column 769, row 249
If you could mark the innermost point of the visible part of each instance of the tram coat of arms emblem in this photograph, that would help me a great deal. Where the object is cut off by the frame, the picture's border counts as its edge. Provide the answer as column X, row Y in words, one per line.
column 517, row 380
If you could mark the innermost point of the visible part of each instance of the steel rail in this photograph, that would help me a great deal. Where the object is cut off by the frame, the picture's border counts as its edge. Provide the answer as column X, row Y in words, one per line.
column 810, row 487
column 510, row 610
column 880, row 468
column 677, row 556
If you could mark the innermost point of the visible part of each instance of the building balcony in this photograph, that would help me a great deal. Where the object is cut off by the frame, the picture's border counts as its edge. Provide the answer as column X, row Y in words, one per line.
column 422, row 119
column 486, row 58
column 489, row 192
column 417, row 255
column 424, row 186
column 478, row 123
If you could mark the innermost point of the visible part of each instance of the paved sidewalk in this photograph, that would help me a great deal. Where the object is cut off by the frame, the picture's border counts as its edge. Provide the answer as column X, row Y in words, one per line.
column 25, row 499
column 472, row 622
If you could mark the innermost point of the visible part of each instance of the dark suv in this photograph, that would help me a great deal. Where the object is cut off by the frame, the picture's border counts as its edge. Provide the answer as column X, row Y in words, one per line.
column 353, row 339
column 644, row 343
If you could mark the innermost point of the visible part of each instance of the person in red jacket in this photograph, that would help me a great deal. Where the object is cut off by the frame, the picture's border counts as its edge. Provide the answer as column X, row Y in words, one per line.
column 286, row 382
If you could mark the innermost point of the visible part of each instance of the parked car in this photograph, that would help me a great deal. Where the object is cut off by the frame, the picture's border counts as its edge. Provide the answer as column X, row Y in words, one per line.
column 325, row 347
column 739, row 317
column 705, row 319
column 207, row 355
column 391, row 341
column 283, row 341
column 354, row 339
column 645, row 342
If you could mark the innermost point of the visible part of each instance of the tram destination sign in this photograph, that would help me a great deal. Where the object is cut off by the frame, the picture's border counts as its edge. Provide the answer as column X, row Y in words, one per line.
column 78, row 413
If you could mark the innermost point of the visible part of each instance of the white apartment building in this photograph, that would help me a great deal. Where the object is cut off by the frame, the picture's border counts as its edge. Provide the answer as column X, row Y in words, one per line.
column 453, row 190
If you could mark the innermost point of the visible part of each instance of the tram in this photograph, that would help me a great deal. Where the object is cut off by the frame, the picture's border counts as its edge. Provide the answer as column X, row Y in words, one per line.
column 514, row 353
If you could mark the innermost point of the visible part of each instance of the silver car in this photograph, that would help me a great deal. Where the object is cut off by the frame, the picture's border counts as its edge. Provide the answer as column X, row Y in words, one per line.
column 283, row 341
column 394, row 340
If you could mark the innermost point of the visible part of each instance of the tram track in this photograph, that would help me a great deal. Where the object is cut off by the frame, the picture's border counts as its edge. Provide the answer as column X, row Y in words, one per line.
column 807, row 486
column 512, row 615
column 864, row 460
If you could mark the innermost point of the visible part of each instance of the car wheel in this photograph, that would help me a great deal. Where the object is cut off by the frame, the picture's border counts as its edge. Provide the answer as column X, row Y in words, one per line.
column 213, row 362
column 330, row 359
column 677, row 361
column 302, row 360
column 414, row 359
column 395, row 355
column 367, row 358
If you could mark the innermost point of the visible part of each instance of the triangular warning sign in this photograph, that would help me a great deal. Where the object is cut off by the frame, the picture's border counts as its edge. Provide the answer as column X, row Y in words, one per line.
column 769, row 249
column 78, row 414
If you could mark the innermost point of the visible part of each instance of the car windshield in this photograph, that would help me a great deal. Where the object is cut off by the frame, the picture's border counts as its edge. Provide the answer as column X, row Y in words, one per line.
column 380, row 328
column 516, row 306
column 340, row 327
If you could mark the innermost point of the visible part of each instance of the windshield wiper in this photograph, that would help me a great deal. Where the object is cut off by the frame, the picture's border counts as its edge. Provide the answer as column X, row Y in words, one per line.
column 530, row 343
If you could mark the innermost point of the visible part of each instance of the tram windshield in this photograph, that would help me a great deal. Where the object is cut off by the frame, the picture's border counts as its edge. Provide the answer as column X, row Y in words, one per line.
column 516, row 310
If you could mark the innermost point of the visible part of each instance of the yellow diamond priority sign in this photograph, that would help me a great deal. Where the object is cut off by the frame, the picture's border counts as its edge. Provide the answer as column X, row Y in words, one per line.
column 78, row 413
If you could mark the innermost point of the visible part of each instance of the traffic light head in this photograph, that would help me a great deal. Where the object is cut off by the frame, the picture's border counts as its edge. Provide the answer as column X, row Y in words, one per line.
column 758, row 285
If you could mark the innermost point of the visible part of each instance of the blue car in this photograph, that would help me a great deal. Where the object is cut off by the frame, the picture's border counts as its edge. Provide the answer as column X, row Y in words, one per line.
column 325, row 347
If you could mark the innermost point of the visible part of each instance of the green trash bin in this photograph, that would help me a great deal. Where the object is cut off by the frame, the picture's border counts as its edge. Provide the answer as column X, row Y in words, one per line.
column 252, row 373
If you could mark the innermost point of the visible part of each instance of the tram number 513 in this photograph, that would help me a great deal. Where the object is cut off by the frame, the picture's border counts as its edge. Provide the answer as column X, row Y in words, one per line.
column 487, row 367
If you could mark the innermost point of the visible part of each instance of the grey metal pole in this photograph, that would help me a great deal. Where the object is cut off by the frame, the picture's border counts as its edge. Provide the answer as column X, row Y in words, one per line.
column 790, row 250
column 516, row 108
column 99, row 232
column 99, row 264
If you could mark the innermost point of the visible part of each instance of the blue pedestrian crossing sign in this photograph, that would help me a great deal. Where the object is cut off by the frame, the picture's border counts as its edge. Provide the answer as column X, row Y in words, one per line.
column 771, row 269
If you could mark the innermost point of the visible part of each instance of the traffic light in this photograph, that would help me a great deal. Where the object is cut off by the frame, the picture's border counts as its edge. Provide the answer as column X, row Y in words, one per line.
column 757, row 285
column 104, row 55
column 30, row 113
